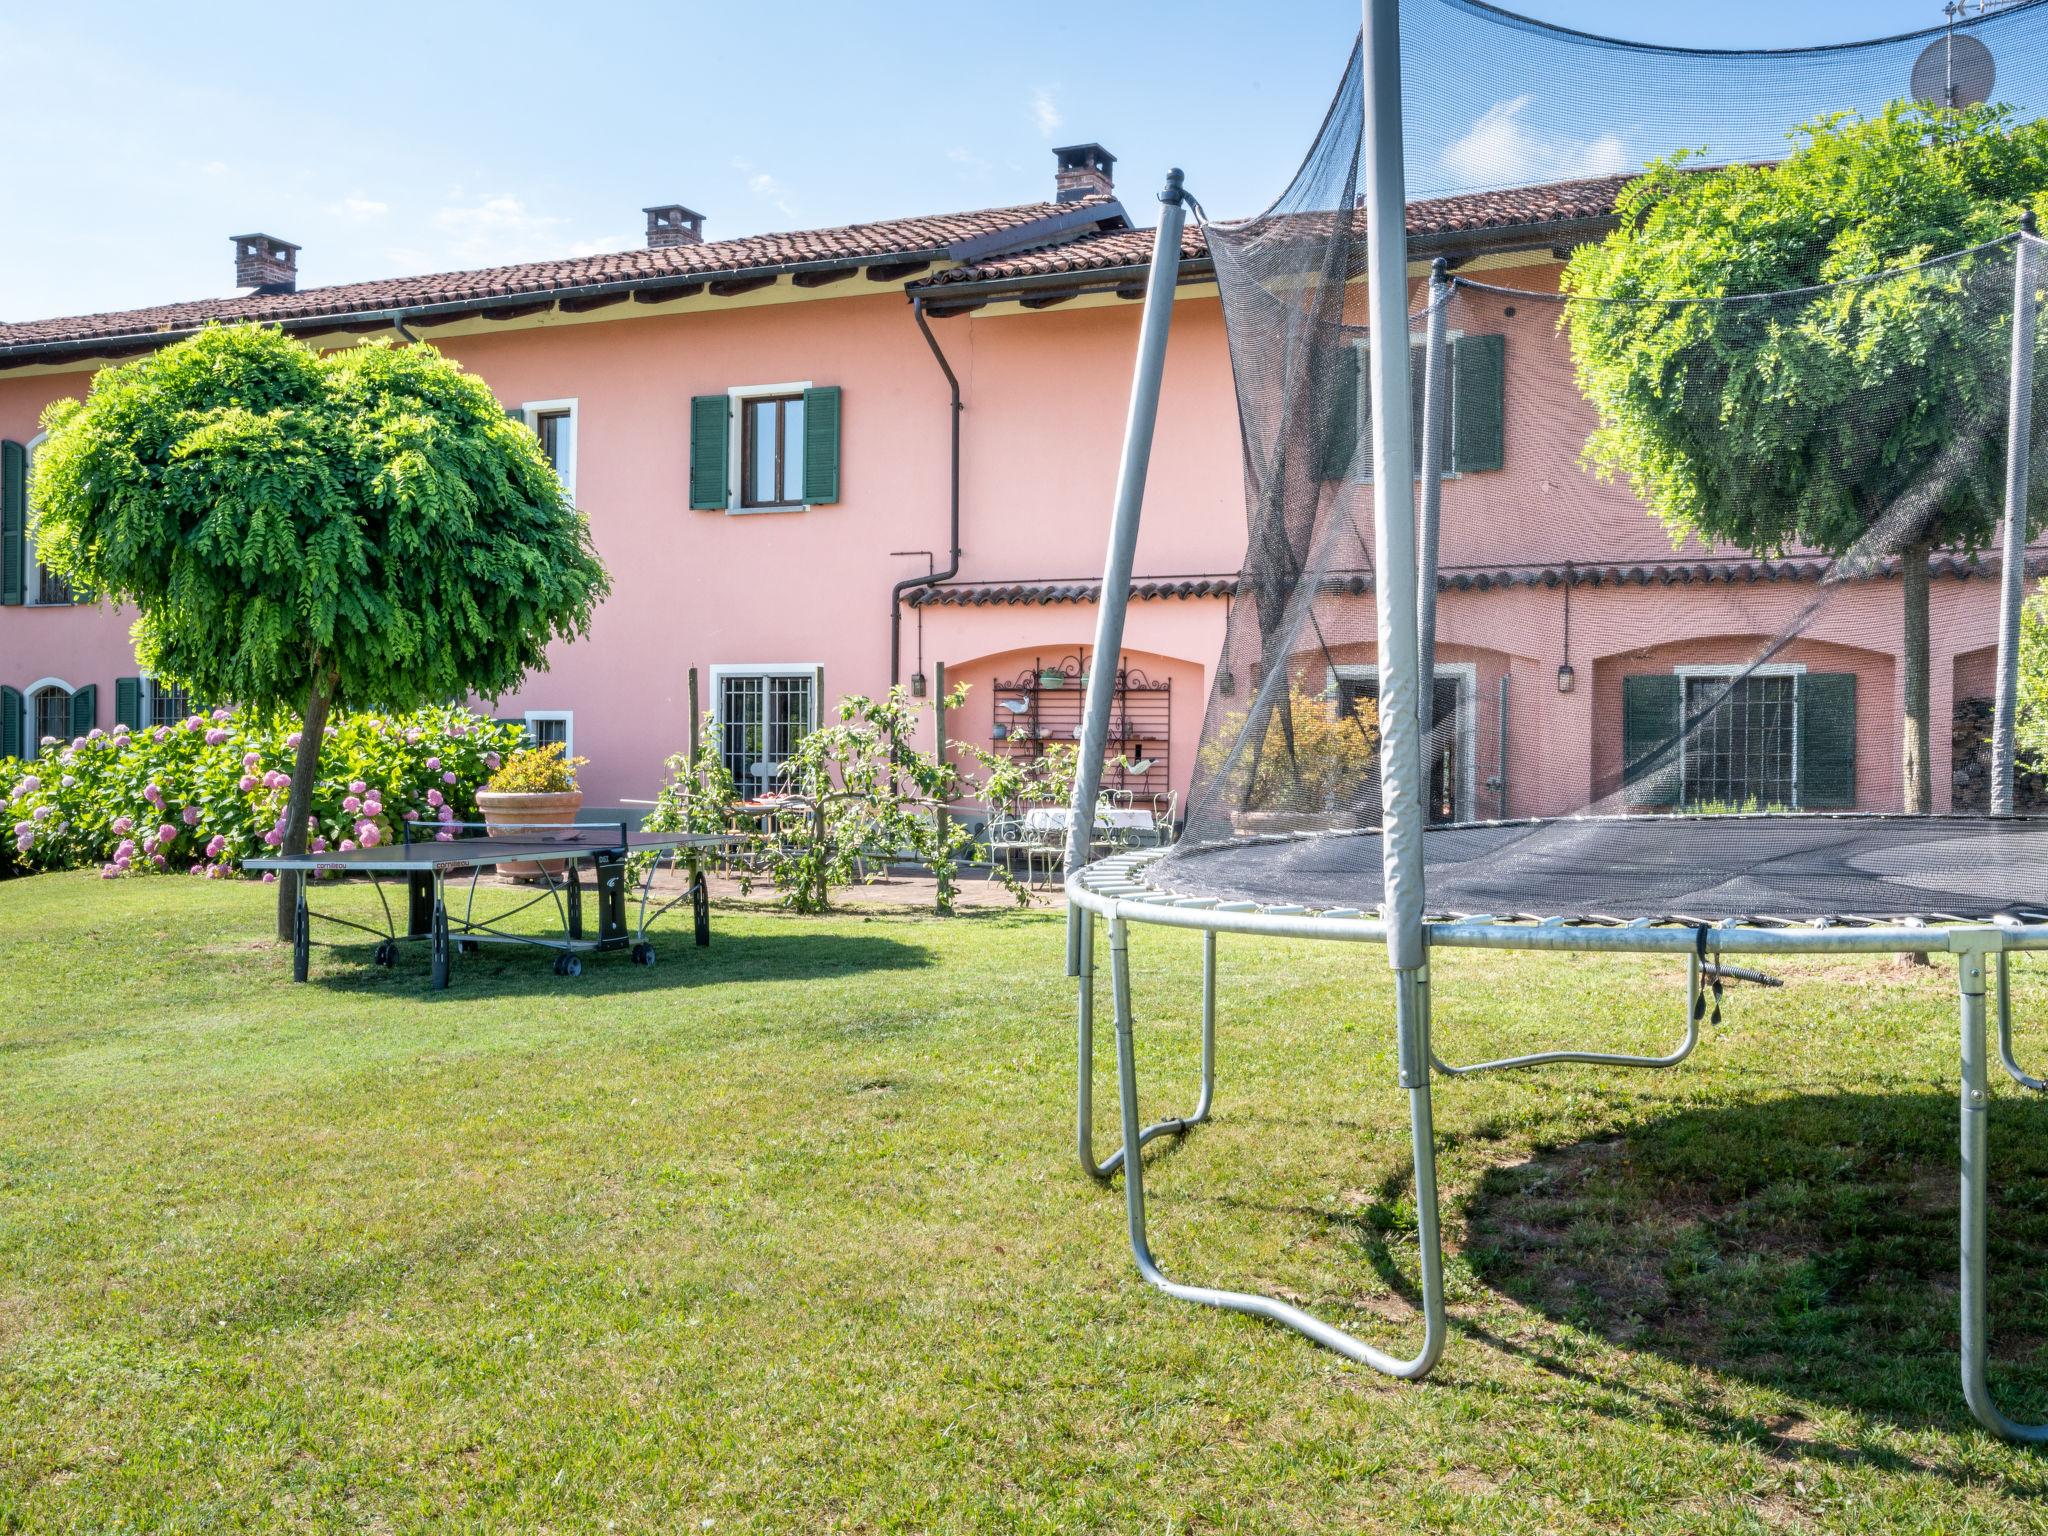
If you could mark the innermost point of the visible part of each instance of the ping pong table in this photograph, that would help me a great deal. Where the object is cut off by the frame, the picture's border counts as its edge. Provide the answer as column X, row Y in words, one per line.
column 555, row 855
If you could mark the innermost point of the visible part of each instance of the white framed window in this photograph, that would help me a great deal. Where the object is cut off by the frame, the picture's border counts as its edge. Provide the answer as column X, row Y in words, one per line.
column 1743, row 745
column 762, row 713
column 545, row 727
column 1452, row 748
column 44, row 587
column 46, row 707
column 767, row 447
column 554, row 423
column 163, row 703
column 1361, row 459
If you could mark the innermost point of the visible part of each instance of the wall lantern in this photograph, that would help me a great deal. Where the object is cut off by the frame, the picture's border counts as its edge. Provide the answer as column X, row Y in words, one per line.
column 1565, row 678
column 917, row 685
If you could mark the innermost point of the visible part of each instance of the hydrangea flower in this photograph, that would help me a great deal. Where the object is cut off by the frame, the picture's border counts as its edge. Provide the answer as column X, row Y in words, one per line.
column 41, row 813
column 433, row 797
column 246, row 783
column 273, row 838
column 371, row 836
column 215, row 737
column 412, row 815
column 223, row 714
column 251, row 759
column 215, row 846
column 373, row 806
column 447, row 812
column 30, row 784
column 68, row 780
column 28, row 828
column 491, row 761
column 153, row 793
column 166, row 833
column 125, row 849
column 190, row 815
column 158, row 860
column 292, row 741
column 357, row 786
column 123, row 824
column 270, row 877
column 448, row 777
column 348, row 845
column 433, row 764
column 351, row 804
column 444, row 837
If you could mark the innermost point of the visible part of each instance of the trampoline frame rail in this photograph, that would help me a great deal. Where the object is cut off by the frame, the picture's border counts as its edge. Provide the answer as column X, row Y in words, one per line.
column 1110, row 891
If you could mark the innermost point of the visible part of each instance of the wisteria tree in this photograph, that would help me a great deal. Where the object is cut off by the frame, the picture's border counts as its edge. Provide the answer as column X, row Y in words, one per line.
column 305, row 531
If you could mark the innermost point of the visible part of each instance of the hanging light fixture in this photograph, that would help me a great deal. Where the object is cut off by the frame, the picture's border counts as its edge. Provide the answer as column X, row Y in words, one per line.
column 1566, row 678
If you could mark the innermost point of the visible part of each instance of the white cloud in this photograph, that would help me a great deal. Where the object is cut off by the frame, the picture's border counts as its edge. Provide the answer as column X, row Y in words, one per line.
column 603, row 245
column 1045, row 111
column 360, row 208
column 766, row 187
column 1500, row 149
column 497, row 230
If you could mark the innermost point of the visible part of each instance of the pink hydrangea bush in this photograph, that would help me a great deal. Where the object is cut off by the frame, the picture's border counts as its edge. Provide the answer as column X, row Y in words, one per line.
column 209, row 792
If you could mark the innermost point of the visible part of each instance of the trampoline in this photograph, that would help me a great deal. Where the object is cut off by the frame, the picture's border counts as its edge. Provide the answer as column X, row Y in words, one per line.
column 1723, row 785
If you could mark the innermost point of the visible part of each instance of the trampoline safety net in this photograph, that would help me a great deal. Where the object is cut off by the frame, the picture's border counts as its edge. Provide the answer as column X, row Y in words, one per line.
column 1722, row 398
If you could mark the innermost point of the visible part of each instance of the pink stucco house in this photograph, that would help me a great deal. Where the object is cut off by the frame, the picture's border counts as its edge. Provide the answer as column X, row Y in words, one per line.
column 820, row 462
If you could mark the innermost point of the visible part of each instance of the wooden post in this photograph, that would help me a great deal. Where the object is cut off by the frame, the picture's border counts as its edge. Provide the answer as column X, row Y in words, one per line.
column 693, row 717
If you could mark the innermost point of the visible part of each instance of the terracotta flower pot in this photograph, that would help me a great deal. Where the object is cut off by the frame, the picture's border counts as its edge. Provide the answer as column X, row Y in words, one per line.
column 509, row 812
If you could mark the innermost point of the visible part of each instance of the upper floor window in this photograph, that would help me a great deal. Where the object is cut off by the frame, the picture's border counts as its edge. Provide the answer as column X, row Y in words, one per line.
column 765, row 448
column 1474, row 407
column 23, row 577
column 554, row 423
column 772, row 451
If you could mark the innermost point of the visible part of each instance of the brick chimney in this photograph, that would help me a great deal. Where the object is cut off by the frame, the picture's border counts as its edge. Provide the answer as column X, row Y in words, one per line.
column 672, row 224
column 1083, row 170
column 266, row 263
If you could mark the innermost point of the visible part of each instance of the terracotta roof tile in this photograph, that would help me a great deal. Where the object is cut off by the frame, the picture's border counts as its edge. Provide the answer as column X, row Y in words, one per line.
column 1564, row 202
column 939, row 236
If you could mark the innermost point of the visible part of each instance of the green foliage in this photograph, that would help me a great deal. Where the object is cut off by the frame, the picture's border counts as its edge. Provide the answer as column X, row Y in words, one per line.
column 1805, row 420
column 218, row 784
column 863, row 797
column 2030, row 722
column 547, row 770
column 697, row 796
column 368, row 520
column 1333, row 760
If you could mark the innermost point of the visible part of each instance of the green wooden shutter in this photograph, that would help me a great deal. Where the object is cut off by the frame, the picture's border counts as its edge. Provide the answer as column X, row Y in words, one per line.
column 85, row 708
column 1827, row 741
column 10, row 722
column 1346, row 374
column 1479, row 372
column 710, row 434
column 517, row 413
column 1652, row 709
column 1418, row 365
column 13, row 523
column 128, row 702
column 821, row 445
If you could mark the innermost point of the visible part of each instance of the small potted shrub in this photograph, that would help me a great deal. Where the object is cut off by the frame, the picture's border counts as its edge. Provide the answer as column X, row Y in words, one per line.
column 535, row 786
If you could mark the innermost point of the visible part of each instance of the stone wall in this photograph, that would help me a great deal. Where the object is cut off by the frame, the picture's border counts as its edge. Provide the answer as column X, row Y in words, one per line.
column 1972, row 743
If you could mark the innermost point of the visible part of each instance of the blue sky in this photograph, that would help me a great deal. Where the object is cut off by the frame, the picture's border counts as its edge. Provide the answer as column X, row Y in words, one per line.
column 395, row 138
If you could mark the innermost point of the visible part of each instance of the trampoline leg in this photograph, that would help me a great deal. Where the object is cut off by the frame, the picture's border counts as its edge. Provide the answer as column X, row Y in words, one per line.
column 1412, row 1002
column 1686, row 1042
column 1084, row 1096
column 2005, row 1055
column 1975, row 1203
column 1976, row 1107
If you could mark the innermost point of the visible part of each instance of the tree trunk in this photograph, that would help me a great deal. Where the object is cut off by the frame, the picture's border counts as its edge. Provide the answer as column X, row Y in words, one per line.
column 1917, row 766
column 299, row 800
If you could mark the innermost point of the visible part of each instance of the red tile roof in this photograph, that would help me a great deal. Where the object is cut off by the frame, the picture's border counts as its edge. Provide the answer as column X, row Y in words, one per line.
column 951, row 236
column 1474, row 213
column 1719, row 570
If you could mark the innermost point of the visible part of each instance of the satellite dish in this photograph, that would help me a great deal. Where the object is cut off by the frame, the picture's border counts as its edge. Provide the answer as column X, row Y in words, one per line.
column 1954, row 71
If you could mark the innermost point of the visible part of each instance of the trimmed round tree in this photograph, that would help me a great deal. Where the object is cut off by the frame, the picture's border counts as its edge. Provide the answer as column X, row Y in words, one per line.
column 306, row 531
column 1867, row 419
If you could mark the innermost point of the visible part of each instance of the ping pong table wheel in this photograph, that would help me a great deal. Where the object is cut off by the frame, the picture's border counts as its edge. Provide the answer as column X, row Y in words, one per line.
column 643, row 954
column 386, row 955
column 467, row 946
column 568, row 965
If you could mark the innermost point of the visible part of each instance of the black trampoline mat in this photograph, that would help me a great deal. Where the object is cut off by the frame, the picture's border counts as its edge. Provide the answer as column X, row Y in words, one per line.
column 1711, row 868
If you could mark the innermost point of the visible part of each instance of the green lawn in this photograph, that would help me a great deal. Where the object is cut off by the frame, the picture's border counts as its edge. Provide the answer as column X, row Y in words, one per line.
column 788, row 1235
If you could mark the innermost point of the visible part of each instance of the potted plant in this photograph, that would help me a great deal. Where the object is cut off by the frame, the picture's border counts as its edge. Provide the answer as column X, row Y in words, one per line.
column 534, row 787
column 1052, row 677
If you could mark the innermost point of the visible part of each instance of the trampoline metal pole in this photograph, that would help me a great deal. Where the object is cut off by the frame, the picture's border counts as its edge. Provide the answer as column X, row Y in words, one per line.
column 1123, row 536
column 2013, row 574
column 1436, row 382
column 1386, row 203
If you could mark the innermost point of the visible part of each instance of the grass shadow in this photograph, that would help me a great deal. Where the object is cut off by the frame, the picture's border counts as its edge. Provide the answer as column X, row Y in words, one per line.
column 1807, row 1243
column 501, row 970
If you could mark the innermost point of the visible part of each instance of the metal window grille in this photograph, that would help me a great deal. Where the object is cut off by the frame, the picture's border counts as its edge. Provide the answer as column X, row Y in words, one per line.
column 761, row 720
column 167, row 704
column 544, row 732
column 53, row 715
column 1744, row 751
column 50, row 587
column 1446, row 743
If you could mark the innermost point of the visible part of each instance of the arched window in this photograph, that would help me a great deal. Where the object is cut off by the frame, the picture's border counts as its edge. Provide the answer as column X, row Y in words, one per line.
column 48, row 707
column 45, row 587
